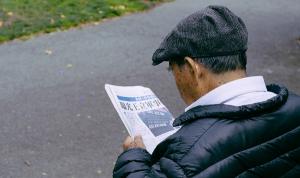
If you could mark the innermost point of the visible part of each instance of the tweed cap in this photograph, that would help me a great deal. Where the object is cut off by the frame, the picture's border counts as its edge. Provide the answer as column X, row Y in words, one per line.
column 213, row 31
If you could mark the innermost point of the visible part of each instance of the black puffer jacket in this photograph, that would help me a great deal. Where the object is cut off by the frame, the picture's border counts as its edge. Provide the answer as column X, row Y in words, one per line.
column 220, row 141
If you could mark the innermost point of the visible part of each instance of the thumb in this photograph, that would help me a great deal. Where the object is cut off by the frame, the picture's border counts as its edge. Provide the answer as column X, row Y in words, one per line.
column 138, row 141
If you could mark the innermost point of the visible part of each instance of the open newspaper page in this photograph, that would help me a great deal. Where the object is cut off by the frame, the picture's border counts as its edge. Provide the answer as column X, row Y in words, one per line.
column 142, row 113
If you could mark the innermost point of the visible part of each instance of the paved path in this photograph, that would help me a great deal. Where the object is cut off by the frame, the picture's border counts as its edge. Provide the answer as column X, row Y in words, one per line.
column 56, row 120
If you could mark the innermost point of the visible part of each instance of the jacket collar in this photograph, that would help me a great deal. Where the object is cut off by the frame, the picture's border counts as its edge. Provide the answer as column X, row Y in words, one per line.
column 235, row 112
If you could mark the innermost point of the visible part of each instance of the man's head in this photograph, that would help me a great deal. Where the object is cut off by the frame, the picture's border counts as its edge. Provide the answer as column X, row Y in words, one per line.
column 205, row 50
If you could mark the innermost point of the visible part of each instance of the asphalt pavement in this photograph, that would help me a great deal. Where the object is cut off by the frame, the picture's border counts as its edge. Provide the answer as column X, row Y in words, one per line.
column 56, row 119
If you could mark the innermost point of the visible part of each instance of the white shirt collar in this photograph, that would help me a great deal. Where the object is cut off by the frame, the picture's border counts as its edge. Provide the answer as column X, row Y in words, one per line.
column 231, row 90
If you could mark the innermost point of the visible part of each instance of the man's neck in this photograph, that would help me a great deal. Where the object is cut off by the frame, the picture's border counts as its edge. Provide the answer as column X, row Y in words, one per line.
column 212, row 81
column 221, row 79
column 216, row 80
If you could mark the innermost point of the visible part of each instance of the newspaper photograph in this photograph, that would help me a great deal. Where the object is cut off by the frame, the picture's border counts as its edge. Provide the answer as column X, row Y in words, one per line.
column 142, row 113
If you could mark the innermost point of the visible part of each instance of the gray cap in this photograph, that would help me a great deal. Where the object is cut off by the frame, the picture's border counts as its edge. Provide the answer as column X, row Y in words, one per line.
column 214, row 31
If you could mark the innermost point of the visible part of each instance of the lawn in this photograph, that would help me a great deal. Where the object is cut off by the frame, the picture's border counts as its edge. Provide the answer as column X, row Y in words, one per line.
column 25, row 17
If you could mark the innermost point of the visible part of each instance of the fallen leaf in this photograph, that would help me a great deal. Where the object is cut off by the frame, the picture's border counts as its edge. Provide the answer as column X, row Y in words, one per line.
column 27, row 163
column 99, row 172
column 48, row 51
column 121, row 7
column 10, row 13
column 69, row 65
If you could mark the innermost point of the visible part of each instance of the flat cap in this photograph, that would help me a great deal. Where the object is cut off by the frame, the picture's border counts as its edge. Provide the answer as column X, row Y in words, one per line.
column 213, row 31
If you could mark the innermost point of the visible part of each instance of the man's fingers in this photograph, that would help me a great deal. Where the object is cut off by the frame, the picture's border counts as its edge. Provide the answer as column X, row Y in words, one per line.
column 128, row 143
column 138, row 141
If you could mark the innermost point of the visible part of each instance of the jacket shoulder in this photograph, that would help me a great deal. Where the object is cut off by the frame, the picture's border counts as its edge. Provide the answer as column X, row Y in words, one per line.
column 179, row 145
column 220, row 145
column 205, row 144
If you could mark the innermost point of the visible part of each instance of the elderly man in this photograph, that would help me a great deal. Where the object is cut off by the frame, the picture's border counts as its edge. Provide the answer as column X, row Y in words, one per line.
column 234, row 126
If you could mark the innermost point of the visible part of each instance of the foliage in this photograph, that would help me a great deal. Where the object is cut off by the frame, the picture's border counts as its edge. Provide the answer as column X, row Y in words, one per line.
column 24, row 17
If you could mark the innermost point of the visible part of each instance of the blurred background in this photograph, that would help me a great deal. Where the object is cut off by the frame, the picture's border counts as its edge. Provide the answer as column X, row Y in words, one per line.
column 56, row 55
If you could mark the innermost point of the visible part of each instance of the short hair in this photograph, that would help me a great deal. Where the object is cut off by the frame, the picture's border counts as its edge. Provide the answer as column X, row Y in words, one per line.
column 220, row 64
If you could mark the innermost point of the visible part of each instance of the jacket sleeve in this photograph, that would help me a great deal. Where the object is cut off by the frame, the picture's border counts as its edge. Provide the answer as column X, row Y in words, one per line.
column 136, row 163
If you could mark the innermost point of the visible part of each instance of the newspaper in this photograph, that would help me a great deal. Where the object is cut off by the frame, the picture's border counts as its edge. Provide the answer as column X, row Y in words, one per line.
column 142, row 113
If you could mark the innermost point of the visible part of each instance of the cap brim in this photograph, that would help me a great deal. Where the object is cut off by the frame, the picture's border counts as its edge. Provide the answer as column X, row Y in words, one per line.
column 155, row 63
column 159, row 56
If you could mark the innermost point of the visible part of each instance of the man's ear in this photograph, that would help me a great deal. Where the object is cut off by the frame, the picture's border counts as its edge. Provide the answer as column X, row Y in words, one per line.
column 193, row 66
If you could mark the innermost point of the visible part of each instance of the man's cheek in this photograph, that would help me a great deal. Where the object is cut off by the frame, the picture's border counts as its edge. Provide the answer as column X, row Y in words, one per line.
column 183, row 90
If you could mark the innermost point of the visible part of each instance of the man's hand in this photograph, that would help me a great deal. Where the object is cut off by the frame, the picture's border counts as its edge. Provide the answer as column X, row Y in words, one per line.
column 136, row 142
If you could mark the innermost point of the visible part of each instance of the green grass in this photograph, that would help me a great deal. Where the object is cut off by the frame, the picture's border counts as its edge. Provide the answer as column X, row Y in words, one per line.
column 25, row 17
